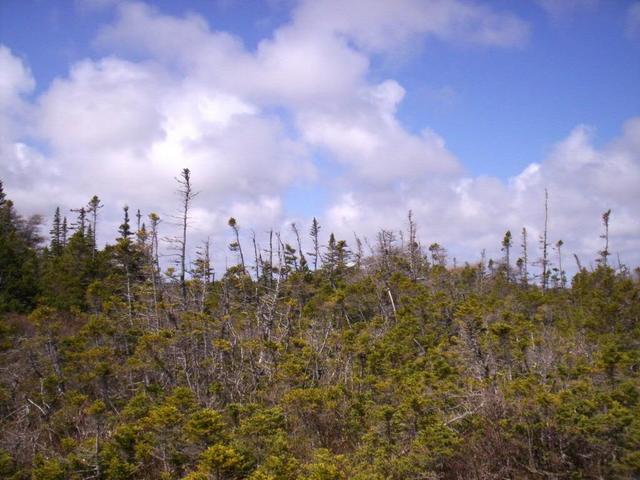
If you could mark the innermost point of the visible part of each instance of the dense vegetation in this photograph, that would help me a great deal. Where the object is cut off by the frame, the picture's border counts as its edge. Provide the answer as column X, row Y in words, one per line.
column 324, row 365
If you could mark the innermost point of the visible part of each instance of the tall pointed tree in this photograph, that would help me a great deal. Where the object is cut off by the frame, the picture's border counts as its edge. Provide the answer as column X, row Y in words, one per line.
column 56, row 234
column 315, row 232
column 185, row 190
column 525, row 258
column 92, row 210
column 507, row 242
column 544, row 245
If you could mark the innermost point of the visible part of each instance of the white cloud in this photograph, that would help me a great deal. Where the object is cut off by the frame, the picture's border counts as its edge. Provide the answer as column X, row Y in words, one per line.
column 321, row 55
column 377, row 150
column 103, row 105
column 380, row 26
column 15, row 80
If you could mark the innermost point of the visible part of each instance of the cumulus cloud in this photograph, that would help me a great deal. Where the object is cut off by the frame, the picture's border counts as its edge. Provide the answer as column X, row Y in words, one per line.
column 322, row 54
column 16, row 82
column 16, row 78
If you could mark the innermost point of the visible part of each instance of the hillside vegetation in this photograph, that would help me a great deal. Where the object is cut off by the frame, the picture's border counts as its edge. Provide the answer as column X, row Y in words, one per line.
column 323, row 365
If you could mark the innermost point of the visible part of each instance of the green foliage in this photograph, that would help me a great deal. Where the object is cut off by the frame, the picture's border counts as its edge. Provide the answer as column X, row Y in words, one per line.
column 388, row 367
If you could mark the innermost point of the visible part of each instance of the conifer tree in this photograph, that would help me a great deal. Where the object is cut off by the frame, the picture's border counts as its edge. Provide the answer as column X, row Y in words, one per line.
column 56, row 234
column 126, row 256
column 330, row 258
column 93, row 207
column 202, row 271
column 152, row 259
column 81, row 222
column 64, row 232
column 336, row 257
column 18, row 260
column 315, row 233
column 125, row 227
column 507, row 242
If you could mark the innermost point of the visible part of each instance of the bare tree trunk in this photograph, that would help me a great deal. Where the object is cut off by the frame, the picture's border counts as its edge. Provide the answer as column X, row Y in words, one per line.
column 605, row 236
column 303, row 261
column 237, row 245
column 255, row 255
column 186, row 192
column 545, row 244
column 525, row 257
column 413, row 248
column 270, row 258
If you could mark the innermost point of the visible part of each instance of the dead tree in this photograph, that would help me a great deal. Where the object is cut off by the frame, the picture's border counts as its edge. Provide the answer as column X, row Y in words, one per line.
column 186, row 193
column 604, row 253
column 303, row 261
column 525, row 258
column 413, row 248
column 237, row 246
column 561, row 274
column 544, row 245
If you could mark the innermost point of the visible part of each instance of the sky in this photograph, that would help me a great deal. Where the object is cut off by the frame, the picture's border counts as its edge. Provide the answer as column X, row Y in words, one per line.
column 352, row 111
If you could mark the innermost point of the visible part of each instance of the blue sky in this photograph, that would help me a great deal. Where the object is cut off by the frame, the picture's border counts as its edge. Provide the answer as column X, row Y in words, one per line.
column 448, row 106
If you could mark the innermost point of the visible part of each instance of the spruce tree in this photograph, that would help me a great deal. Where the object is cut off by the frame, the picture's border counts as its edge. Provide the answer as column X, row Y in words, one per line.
column 507, row 242
column 315, row 232
column 93, row 207
column 56, row 234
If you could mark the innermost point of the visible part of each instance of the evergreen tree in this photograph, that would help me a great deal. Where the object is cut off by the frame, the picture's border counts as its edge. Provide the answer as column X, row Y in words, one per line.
column 507, row 243
column 315, row 233
column 56, row 244
column 18, row 258
column 125, row 227
column 92, row 209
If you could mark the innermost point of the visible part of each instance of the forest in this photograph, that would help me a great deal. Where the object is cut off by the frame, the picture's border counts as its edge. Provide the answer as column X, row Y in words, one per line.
column 344, row 359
